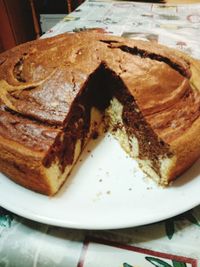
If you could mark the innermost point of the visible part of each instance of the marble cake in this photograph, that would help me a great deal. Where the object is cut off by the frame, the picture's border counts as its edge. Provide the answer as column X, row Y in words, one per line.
column 55, row 92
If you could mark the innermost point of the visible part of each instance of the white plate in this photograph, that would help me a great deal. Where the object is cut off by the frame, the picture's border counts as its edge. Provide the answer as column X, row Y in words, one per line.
column 105, row 190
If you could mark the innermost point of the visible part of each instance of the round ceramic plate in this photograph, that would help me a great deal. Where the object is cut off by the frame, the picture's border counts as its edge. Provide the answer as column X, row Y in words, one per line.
column 106, row 190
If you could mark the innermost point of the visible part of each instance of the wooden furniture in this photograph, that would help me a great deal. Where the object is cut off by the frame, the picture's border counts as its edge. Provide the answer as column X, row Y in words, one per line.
column 16, row 23
column 35, row 19
column 72, row 4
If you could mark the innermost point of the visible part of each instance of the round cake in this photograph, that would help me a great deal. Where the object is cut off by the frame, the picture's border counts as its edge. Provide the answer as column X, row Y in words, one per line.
column 56, row 92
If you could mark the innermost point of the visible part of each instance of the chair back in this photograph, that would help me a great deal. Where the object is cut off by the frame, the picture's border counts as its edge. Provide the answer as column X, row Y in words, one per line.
column 72, row 4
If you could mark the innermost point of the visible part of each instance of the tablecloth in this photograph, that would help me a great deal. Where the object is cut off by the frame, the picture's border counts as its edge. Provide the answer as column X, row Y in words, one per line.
column 174, row 242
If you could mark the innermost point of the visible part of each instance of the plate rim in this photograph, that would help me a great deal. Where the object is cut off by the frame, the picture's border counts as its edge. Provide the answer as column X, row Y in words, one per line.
column 78, row 226
column 106, row 223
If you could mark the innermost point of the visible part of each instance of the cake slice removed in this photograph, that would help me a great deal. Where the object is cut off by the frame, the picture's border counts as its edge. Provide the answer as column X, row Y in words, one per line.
column 55, row 92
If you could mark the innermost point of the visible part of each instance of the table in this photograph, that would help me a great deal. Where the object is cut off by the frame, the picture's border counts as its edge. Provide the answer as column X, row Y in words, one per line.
column 174, row 242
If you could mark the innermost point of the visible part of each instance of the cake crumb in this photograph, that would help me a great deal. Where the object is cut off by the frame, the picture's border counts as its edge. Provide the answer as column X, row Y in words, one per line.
column 95, row 135
column 149, row 188
column 108, row 192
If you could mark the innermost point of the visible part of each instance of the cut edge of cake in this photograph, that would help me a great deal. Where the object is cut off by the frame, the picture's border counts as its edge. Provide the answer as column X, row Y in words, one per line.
column 31, row 170
column 131, row 145
column 54, row 173
column 25, row 166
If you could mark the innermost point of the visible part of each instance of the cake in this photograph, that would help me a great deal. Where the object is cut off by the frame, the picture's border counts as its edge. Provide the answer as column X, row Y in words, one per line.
column 56, row 92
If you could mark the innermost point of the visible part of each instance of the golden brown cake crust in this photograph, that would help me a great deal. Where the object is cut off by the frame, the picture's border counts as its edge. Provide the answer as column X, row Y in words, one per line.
column 40, row 80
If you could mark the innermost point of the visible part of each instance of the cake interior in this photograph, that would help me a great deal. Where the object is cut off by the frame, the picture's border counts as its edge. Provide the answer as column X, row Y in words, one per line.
column 104, row 99
column 128, row 125
column 57, row 93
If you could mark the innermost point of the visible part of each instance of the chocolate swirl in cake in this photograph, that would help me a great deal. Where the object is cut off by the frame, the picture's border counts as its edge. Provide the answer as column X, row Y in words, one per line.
column 54, row 93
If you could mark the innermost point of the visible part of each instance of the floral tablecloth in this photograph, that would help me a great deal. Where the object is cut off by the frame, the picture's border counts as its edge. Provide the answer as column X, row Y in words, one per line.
column 174, row 242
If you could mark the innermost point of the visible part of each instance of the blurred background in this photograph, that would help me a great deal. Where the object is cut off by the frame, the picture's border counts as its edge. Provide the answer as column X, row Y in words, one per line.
column 25, row 20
